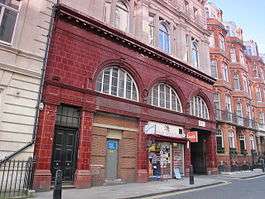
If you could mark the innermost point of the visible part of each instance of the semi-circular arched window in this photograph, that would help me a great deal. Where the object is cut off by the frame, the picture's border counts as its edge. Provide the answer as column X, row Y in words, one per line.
column 164, row 96
column 117, row 82
column 199, row 108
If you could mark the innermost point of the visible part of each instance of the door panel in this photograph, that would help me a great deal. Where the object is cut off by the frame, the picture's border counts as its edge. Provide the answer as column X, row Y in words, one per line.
column 64, row 152
column 112, row 159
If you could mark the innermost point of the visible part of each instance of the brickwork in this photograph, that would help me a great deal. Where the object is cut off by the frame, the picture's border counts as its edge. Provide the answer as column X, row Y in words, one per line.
column 244, row 95
column 76, row 57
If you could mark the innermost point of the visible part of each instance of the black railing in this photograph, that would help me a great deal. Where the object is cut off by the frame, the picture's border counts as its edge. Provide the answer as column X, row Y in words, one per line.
column 16, row 178
column 229, row 117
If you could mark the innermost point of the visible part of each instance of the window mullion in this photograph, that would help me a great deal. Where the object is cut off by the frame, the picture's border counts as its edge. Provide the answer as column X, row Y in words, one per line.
column 125, row 83
column 110, row 81
column 165, row 96
column 131, row 88
column 170, row 100
column 118, row 82
column 158, row 89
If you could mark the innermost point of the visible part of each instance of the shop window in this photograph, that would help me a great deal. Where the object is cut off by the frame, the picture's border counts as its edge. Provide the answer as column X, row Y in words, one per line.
column 164, row 96
column 117, row 82
column 164, row 40
column 219, row 141
column 8, row 16
column 199, row 108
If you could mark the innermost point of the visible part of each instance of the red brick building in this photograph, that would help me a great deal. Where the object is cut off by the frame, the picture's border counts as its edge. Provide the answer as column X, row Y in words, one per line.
column 235, row 102
column 116, row 109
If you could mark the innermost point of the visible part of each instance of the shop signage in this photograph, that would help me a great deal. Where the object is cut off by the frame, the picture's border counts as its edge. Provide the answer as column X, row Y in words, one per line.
column 192, row 136
column 202, row 123
column 154, row 128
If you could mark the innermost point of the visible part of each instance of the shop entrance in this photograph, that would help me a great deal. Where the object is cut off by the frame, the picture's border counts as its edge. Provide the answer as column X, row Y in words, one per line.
column 165, row 159
column 112, row 159
column 199, row 154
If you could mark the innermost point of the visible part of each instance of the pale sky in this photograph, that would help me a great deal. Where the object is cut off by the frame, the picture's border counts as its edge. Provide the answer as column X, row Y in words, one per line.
column 249, row 15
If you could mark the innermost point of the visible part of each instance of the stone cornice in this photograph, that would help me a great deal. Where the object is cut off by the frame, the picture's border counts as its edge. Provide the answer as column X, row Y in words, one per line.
column 91, row 24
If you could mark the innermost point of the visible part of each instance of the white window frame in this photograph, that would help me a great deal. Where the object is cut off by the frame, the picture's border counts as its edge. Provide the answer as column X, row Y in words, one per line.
column 258, row 94
column 164, row 30
column 252, row 142
column 195, row 53
column 237, row 85
column 225, row 72
column 172, row 92
column 151, row 29
column 243, row 138
column 231, row 140
column 222, row 42
column 233, row 55
column 214, row 69
column 126, row 75
column 15, row 25
column 116, row 15
column 219, row 133
column 198, row 108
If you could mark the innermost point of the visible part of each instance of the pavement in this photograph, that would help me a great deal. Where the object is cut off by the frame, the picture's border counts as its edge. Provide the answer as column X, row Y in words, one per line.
column 252, row 188
column 150, row 189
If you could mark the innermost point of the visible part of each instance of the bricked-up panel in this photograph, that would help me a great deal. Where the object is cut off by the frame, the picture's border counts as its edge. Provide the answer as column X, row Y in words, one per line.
column 116, row 120
column 127, row 156
column 127, row 148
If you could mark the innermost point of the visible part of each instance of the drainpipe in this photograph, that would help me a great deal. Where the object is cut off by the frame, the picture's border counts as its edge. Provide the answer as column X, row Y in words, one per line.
column 39, row 103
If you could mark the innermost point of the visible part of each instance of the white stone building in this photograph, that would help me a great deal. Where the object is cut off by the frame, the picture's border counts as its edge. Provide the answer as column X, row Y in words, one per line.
column 24, row 27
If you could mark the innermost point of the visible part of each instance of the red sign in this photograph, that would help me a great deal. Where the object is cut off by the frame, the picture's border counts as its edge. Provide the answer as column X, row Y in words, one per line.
column 192, row 136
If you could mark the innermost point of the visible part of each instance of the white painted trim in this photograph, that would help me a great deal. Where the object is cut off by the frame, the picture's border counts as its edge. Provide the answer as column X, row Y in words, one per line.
column 108, row 126
column 17, row 69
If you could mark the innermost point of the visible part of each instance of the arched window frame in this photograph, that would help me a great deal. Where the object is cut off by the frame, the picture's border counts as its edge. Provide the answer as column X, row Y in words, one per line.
column 168, row 100
column 195, row 52
column 199, row 108
column 164, row 37
column 231, row 139
column 121, row 85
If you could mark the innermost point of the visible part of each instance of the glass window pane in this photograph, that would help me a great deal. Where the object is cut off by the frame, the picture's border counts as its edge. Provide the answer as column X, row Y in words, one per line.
column 155, row 96
column 162, row 95
column 128, row 87
column 99, row 82
column 114, row 82
column 106, row 80
column 121, row 83
column 167, row 97
column 7, row 24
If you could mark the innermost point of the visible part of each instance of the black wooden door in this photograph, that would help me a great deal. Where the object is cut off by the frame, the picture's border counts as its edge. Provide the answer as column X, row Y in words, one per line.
column 64, row 152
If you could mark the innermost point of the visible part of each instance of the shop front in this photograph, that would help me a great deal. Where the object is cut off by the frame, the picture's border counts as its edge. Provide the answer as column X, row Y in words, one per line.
column 165, row 151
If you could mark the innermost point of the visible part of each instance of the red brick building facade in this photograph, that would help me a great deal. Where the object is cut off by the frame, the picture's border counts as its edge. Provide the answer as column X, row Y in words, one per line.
column 234, row 98
column 93, row 134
